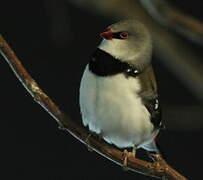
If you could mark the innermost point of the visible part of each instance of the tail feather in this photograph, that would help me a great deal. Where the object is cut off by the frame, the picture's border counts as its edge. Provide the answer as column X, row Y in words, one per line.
column 154, row 147
column 151, row 147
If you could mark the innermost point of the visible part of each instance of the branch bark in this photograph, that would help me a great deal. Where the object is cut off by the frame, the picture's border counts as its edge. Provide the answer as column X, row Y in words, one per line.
column 158, row 169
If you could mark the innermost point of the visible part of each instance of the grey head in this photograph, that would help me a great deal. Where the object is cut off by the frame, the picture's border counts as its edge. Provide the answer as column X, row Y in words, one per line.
column 128, row 41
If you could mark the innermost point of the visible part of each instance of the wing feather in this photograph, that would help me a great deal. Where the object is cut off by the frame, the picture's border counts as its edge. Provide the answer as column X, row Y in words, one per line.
column 150, row 96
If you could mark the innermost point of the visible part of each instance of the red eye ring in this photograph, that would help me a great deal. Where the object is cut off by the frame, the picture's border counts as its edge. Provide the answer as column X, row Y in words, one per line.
column 124, row 35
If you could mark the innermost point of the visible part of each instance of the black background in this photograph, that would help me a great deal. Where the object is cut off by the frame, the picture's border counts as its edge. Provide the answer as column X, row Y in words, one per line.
column 32, row 146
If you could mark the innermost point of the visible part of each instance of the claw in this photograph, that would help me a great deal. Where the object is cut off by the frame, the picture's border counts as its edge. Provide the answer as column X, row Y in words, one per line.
column 127, row 155
column 87, row 143
column 154, row 157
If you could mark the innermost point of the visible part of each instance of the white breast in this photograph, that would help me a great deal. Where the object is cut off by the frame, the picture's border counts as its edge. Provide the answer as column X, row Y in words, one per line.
column 111, row 107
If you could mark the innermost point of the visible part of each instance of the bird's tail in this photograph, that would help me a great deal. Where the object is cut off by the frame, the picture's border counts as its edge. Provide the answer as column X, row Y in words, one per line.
column 154, row 147
column 151, row 147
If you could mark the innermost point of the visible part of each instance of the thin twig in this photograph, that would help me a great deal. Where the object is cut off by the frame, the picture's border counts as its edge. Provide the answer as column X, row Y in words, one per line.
column 158, row 169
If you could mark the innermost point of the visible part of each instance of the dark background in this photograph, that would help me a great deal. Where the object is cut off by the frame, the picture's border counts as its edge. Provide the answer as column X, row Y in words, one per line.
column 32, row 146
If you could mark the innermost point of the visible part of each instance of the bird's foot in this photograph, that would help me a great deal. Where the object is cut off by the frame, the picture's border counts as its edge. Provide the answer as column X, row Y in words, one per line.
column 155, row 157
column 126, row 156
column 87, row 142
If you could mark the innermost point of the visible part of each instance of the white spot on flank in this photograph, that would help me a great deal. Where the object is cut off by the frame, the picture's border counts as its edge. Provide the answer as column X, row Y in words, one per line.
column 156, row 105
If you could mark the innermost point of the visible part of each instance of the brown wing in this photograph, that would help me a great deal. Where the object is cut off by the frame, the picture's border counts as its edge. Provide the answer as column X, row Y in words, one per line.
column 150, row 96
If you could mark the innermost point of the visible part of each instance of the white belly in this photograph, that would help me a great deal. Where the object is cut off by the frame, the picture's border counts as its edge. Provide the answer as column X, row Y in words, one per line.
column 112, row 108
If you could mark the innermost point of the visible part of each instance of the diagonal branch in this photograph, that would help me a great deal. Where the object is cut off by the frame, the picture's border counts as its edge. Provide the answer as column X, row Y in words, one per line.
column 158, row 169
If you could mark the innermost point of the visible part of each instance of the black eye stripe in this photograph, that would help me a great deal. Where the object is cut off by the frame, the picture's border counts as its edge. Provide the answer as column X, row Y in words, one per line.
column 117, row 35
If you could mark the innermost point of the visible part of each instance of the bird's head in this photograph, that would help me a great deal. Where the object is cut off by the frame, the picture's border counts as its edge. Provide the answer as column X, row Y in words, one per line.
column 128, row 41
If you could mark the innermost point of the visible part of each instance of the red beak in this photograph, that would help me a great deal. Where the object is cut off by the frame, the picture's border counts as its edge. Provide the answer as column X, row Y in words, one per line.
column 107, row 34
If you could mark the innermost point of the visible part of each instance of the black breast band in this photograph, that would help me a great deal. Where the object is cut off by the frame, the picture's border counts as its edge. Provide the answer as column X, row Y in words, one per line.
column 103, row 64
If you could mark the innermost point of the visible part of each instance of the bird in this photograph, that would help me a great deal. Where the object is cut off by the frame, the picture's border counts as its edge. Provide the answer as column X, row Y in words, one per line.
column 118, row 92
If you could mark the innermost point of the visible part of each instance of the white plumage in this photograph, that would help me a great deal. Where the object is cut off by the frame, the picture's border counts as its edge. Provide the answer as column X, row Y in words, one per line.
column 111, row 107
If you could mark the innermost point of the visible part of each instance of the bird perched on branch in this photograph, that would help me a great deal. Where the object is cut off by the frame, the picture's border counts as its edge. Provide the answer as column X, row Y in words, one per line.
column 118, row 91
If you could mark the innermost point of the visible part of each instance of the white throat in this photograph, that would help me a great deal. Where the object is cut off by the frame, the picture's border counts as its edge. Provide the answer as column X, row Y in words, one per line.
column 118, row 49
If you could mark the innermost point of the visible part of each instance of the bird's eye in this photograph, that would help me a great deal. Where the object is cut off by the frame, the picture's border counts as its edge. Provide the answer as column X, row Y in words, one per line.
column 124, row 35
